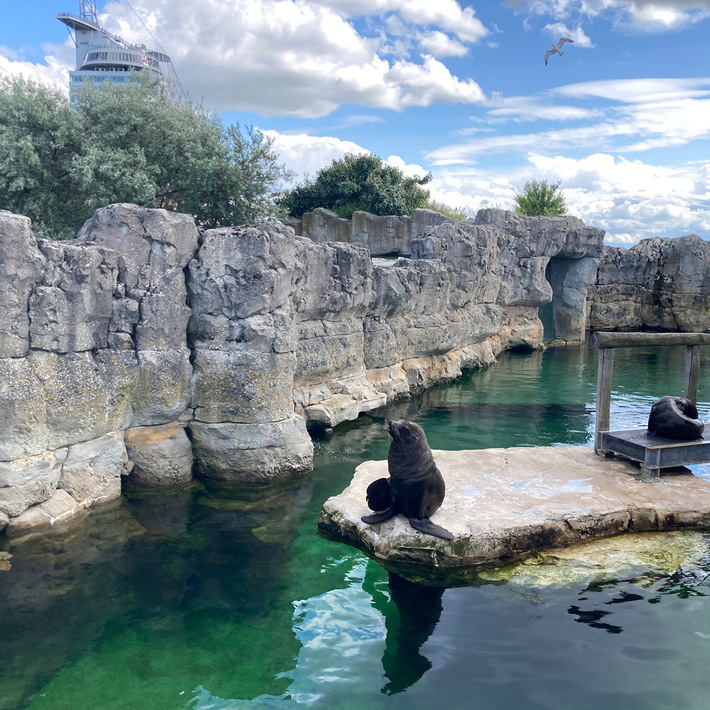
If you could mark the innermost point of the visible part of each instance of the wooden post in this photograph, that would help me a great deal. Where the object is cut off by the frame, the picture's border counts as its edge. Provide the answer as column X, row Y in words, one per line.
column 692, row 372
column 604, row 373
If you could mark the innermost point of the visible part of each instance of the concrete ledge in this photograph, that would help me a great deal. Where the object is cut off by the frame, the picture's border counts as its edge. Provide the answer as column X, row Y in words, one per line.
column 504, row 504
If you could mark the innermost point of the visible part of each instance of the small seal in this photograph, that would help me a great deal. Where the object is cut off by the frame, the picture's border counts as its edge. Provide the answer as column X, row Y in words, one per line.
column 415, row 487
column 675, row 418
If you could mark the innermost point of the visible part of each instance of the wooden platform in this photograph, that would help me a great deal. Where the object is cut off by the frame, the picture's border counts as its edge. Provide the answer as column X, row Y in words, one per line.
column 655, row 452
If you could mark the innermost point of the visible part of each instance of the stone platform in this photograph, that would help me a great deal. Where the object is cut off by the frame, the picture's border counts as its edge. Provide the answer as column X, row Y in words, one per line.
column 504, row 504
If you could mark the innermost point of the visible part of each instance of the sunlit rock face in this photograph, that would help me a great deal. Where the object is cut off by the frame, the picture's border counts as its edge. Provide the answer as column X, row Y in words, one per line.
column 658, row 283
column 97, row 345
column 506, row 504
column 213, row 352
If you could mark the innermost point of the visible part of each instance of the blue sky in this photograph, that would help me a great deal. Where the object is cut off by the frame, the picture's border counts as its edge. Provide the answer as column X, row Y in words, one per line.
column 458, row 89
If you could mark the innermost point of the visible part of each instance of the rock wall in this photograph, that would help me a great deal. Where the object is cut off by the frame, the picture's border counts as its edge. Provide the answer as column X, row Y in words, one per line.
column 144, row 351
column 658, row 284
column 382, row 235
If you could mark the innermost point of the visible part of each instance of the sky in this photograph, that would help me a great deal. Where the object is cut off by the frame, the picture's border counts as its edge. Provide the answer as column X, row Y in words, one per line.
column 456, row 89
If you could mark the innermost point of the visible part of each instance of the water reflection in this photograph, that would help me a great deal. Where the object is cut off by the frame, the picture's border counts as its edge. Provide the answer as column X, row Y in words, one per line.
column 593, row 618
column 418, row 612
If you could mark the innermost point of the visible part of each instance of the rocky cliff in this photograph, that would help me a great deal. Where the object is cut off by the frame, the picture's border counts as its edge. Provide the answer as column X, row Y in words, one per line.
column 144, row 350
column 658, row 284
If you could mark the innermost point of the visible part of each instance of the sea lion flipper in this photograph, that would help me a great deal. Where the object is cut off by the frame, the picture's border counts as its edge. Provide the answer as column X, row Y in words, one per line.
column 378, row 517
column 426, row 526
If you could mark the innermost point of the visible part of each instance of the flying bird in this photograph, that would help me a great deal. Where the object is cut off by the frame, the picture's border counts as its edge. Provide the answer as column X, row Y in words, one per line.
column 557, row 48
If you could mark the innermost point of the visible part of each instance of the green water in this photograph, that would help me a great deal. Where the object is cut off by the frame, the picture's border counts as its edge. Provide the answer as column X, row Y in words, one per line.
column 218, row 597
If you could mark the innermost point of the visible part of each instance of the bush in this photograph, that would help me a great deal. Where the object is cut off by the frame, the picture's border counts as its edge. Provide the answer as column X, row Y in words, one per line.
column 450, row 212
column 540, row 198
column 358, row 182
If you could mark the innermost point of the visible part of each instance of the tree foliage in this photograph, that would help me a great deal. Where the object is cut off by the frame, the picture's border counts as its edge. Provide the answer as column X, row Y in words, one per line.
column 540, row 198
column 58, row 162
column 358, row 182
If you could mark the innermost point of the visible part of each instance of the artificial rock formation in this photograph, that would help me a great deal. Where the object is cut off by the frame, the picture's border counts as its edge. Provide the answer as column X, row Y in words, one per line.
column 658, row 284
column 144, row 350
column 506, row 504
column 380, row 235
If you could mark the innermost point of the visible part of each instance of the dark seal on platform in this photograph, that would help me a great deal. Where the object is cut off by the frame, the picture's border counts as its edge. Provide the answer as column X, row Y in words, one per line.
column 675, row 418
column 415, row 487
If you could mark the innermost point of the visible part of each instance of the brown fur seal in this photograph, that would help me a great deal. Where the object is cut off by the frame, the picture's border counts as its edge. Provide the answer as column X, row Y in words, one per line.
column 675, row 418
column 415, row 487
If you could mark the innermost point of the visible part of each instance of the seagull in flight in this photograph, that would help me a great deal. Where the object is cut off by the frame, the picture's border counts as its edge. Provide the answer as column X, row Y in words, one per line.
column 557, row 48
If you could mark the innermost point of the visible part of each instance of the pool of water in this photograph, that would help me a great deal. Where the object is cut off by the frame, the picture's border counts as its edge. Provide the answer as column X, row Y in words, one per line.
column 221, row 597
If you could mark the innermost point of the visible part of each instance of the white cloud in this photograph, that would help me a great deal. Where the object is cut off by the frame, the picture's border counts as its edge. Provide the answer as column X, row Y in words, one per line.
column 411, row 170
column 287, row 57
column 54, row 72
column 636, row 15
column 529, row 108
column 576, row 34
column 439, row 44
column 306, row 155
column 637, row 90
column 641, row 114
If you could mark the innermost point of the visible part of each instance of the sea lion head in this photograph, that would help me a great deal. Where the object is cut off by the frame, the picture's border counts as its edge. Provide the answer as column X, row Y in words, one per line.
column 406, row 433
column 687, row 407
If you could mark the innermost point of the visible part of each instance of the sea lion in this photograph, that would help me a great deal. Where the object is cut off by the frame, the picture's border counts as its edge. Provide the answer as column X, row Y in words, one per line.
column 415, row 487
column 675, row 418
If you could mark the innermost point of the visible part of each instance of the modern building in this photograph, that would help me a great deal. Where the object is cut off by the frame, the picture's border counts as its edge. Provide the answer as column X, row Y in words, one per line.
column 101, row 56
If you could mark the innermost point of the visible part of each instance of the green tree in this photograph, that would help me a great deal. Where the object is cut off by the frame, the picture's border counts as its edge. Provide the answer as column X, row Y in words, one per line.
column 128, row 144
column 540, row 198
column 358, row 182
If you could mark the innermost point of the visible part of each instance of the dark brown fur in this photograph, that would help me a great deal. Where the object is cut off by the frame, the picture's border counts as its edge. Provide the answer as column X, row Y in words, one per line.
column 675, row 418
column 417, row 485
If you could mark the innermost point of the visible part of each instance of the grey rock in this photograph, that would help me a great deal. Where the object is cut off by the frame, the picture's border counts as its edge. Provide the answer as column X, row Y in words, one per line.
column 380, row 235
column 21, row 267
column 161, row 456
column 154, row 246
column 242, row 386
column 251, row 452
column 658, row 283
column 4, row 520
column 92, row 470
column 503, row 504
column 160, row 389
column 240, row 272
column 332, row 281
column 71, row 309
column 61, row 506
column 328, row 349
column 29, row 480
column 53, row 400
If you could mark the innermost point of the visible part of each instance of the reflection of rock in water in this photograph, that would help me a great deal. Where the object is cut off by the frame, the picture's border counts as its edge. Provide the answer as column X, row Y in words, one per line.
column 5, row 561
column 419, row 609
column 643, row 557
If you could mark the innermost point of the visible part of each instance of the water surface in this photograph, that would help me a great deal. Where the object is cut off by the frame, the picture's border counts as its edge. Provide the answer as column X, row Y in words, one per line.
column 219, row 596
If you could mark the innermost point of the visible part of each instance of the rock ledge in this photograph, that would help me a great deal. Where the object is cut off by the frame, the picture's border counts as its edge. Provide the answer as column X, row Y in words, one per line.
column 504, row 504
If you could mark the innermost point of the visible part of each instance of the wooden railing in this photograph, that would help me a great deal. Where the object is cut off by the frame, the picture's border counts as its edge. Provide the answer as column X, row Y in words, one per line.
column 606, row 342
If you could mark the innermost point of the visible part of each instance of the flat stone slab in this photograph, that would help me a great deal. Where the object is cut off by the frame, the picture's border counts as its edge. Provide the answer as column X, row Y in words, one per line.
column 504, row 504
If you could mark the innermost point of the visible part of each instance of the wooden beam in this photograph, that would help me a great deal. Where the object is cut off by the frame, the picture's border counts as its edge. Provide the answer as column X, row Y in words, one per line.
column 692, row 372
column 602, row 339
column 604, row 373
